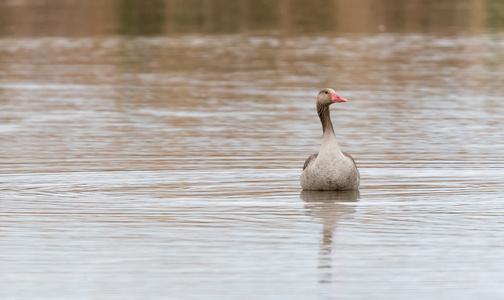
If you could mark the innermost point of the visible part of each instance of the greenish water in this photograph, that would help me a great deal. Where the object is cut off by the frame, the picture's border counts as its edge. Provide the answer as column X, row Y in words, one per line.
column 282, row 17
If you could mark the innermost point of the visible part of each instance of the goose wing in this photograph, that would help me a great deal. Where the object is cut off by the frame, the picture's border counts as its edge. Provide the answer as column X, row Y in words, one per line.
column 309, row 160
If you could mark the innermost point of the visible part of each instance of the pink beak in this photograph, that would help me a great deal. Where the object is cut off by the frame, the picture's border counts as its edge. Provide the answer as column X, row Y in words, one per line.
column 336, row 98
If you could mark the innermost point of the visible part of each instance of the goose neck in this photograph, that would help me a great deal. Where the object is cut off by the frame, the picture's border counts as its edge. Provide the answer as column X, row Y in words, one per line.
column 325, row 119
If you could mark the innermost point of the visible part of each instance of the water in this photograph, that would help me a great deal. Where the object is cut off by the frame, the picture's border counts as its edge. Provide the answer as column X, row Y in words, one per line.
column 168, row 167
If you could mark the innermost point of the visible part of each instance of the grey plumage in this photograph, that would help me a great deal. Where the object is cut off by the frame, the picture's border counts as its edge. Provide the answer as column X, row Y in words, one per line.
column 330, row 168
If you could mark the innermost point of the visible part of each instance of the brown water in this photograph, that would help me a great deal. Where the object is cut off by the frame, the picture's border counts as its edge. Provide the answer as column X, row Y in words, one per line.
column 137, row 167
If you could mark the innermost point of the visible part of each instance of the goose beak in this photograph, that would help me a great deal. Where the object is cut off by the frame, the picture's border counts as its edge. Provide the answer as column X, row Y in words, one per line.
column 336, row 98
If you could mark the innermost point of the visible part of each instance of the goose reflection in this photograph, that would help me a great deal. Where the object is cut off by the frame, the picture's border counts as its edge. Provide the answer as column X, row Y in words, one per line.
column 328, row 207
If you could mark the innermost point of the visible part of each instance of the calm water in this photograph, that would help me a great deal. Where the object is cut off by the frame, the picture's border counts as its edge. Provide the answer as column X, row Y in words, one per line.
column 168, row 167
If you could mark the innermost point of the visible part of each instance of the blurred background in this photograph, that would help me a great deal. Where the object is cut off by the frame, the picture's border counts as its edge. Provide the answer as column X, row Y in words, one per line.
column 152, row 149
column 25, row 18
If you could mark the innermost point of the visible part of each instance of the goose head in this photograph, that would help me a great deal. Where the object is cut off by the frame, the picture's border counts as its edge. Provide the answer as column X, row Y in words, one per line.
column 328, row 96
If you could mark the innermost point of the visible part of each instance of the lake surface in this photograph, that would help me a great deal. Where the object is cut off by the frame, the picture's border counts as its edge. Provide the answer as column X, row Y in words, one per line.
column 168, row 167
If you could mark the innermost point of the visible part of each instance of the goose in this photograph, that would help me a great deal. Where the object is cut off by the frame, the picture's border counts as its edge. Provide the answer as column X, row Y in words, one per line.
column 330, row 169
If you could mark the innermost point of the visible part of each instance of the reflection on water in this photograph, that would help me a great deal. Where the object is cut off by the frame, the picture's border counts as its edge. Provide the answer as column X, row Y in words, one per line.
column 328, row 207
column 168, row 166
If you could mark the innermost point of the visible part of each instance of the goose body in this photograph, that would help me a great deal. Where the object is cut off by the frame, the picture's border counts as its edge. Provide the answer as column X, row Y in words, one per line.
column 329, row 169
